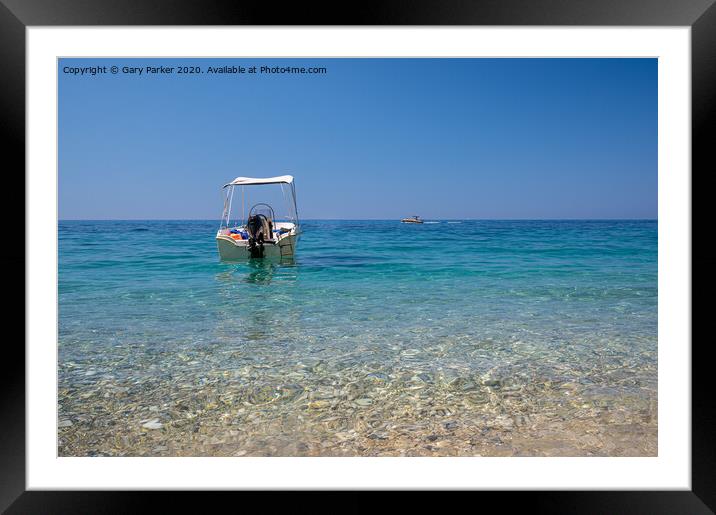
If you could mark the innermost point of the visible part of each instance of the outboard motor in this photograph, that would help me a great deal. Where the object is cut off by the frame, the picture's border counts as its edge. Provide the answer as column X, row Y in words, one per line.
column 255, row 226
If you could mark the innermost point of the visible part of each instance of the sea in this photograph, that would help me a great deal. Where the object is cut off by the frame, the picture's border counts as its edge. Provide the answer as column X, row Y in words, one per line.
column 448, row 338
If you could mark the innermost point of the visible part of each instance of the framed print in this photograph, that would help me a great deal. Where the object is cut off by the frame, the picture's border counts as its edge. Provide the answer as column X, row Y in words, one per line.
column 443, row 248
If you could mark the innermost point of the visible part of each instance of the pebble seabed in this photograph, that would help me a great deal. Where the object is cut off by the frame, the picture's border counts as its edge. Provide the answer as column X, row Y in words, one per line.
column 215, row 401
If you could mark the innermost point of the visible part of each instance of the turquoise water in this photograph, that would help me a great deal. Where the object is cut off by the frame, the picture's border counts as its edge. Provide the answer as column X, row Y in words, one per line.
column 381, row 338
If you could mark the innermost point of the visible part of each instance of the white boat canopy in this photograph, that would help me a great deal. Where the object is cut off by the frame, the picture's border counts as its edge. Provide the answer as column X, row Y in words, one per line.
column 246, row 181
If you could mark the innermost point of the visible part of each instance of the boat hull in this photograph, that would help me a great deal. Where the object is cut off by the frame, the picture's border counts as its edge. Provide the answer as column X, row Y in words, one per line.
column 238, row 250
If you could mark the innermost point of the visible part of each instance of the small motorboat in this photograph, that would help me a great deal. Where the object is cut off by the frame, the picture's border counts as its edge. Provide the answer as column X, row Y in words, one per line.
column 260, row 234
column 415, row 219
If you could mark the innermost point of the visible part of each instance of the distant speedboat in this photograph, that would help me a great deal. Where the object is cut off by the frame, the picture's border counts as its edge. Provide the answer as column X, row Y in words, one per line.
column 415, row 219
column 259, row 235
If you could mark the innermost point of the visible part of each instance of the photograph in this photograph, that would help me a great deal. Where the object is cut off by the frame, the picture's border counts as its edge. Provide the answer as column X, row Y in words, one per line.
column 357, row 257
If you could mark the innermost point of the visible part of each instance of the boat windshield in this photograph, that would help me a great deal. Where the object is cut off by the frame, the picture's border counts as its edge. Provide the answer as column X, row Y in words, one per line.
column 264, row 210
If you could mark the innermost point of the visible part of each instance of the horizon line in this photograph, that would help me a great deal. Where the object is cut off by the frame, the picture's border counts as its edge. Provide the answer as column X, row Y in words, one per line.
column 348, row 219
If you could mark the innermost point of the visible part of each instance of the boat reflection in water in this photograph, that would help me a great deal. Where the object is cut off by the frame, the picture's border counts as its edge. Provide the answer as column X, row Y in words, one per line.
column 264, row 289
column 263, row 271
column 259, row 271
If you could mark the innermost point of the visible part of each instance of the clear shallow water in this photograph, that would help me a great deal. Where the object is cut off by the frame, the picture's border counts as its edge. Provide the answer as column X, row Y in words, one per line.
column 381, row 338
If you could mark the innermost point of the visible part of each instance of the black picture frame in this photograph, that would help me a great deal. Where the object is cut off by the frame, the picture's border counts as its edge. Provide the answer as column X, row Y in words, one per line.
column 700, row 15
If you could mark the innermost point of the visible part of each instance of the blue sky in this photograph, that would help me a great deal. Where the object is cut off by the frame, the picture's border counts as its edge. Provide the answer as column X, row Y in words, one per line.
column 371, row 138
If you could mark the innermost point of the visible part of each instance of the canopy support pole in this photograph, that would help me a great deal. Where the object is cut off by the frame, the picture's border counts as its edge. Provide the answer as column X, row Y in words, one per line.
column 228, row 213
column 295, row 206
